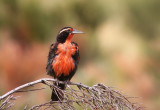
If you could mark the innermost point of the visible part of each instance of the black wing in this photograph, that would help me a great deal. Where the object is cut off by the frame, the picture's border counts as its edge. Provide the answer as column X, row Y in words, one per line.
column 51, row 56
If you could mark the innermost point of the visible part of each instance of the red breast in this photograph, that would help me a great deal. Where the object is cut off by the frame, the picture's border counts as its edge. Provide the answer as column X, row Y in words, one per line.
column 63, row 62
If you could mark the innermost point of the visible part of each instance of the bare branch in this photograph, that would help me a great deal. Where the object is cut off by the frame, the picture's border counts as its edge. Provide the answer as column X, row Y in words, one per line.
column 8, row 103
column 30, row 90
column 96, row 97
column 26, row 85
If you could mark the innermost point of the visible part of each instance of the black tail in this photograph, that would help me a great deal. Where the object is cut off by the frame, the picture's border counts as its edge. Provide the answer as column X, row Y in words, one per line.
column 56, row 94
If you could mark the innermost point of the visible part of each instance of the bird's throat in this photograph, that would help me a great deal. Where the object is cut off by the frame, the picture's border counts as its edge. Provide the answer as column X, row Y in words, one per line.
column 68, row 40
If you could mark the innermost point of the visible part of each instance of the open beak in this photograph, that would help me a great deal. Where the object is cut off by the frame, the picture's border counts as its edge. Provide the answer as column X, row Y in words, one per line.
column 77, row 32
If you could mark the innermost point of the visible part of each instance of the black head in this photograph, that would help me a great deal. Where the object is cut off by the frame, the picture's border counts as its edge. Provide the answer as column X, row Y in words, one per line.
column 65, row 32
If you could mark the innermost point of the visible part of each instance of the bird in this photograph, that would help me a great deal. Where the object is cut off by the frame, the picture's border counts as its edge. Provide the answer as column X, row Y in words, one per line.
column 63, row 59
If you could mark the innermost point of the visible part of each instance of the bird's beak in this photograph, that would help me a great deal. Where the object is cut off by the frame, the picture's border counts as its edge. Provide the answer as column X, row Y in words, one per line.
column 77, row 32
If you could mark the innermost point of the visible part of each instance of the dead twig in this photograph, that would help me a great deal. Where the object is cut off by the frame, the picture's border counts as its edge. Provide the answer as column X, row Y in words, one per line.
column 26, row 85
column 97, row 97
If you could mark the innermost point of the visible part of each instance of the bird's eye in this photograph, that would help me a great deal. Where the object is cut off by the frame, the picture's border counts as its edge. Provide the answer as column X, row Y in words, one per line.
column 69, row 31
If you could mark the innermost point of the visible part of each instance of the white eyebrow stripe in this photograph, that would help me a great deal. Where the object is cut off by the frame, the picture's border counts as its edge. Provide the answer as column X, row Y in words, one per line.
column 64, row 30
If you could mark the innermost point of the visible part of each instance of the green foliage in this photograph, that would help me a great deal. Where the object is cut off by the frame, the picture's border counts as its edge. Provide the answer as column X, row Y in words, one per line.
column 145, row 17
column 37, row 20
column 89, row 13
column 38, row 24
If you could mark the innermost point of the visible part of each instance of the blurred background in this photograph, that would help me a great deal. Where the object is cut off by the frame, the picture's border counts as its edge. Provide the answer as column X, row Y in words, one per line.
column 120, row 47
